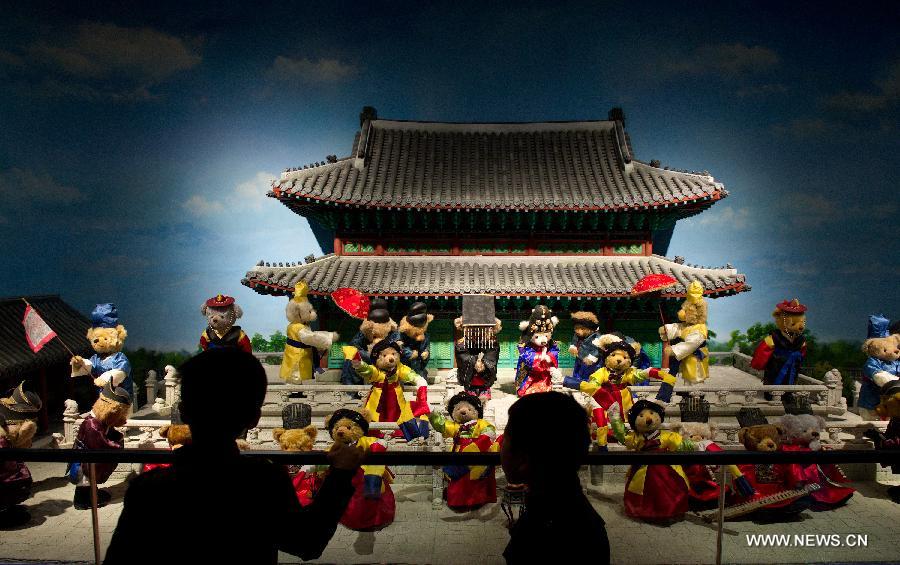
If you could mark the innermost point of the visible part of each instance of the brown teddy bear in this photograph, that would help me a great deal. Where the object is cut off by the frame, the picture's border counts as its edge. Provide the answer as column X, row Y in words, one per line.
column 782, row 352
column 583, row 347
column 372, row 506
column 303, row 346
column 882, row 365
column 221, row 313
column 686, row 345
column 98, row 431
column 377, row 326
column 107, row 337
column 18, row 412
column 414, row 335
column 757, row 434
column 298, row 434
column 889, row 407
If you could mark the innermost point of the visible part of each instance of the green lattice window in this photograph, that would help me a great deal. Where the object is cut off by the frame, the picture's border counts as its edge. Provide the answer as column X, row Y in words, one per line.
column 630, row 249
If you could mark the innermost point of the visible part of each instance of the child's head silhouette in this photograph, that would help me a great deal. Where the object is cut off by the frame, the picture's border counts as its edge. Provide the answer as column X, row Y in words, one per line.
column 222, row 392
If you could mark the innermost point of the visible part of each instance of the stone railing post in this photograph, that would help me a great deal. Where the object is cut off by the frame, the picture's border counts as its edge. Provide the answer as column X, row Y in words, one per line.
column 171, row 386
column 723, row 398
column 150, row 385
column 70, row 417
column 750, row 397
column 834, row 382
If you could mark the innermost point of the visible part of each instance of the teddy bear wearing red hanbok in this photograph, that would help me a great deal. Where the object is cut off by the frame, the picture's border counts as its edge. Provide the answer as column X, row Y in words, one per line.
column 801, row 433
column 538, row 366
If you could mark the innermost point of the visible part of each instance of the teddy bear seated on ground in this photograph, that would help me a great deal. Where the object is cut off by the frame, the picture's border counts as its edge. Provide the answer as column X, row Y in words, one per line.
column 18, row 412
column 802, row 432
column 298, row 434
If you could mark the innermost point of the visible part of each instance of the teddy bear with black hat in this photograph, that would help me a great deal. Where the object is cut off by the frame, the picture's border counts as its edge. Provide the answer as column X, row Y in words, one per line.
column 468, row 487
column 414, row 335
column 98, row 431
column 477, row 349
column 18, row 424
column 377, row 326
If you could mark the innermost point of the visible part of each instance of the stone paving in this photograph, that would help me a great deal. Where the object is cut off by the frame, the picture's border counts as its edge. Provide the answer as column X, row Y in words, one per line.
column 421, row 534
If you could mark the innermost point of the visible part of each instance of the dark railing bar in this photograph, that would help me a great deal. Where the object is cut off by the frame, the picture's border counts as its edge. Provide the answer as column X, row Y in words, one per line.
column 448, row 458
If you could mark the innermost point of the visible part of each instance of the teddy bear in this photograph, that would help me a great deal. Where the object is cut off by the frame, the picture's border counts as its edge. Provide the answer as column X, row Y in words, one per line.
column 298, row 434
column 781, row 353
column 221, row 313
column 107, row 337
column 468, row 487
column 377, row 326
column 584, row 347
column 538, row 364
column 889, row 407
column 686, row 346
column 802, row 433
column 607, row 387
column 882, row 365
column 98, row 431
column 414, row 335
column 654, row 493
column 767, row 480
column 18, row 416
column 303, row 346
column 385, row 401
column 372, row 505
column 477, row 350
column 704, row 488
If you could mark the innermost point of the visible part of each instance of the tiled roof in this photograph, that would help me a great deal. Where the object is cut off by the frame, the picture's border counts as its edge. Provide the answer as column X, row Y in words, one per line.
column 16, row 357
column 519, row 166
column 603, row 276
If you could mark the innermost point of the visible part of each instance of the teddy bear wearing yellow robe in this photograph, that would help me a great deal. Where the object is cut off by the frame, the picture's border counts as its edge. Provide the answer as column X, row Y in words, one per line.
column 302, row 342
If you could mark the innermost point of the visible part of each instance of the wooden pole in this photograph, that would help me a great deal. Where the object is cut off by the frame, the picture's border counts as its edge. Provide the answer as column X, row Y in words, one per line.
column 95, row 518
column 665, row 358
column 721, row 514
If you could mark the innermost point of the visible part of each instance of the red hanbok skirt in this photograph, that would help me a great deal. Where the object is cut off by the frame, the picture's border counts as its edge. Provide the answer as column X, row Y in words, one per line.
column 830, row 495
column 465, row 492
column 306, row 485
column 703, row 488
column 665, row 495
column 368, row 513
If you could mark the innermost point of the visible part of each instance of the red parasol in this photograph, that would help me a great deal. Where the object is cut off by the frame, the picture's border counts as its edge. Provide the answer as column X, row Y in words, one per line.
column 649, row 284
column 352, row 302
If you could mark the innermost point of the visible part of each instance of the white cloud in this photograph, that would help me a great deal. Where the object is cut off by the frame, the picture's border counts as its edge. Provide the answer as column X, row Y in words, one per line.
column 726, row 216
column 724, row 59
column 22, row 187
column 249, row 194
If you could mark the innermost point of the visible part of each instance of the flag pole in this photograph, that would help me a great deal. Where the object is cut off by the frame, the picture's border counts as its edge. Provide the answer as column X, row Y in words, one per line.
column 48, row 325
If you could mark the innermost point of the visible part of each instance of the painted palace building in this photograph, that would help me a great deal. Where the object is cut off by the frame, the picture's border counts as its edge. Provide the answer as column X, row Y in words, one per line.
column 558, row 213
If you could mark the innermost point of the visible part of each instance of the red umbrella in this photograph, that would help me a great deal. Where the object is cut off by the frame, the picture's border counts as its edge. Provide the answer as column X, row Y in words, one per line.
column 352, row 302
column 649, row 284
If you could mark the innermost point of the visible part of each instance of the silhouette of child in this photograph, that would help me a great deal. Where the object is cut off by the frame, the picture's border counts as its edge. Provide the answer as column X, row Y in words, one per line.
column 546, row 437
column 222, row 507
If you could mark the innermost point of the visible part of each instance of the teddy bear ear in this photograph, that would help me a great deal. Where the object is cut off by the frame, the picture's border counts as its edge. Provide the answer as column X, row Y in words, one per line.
column 457, row 323
column 164, row 431
column 90, row 333
column 238, row 311
column 277, row 433
column 203, row 310
column 780, row 429
column 523, row 324
column 311, row 431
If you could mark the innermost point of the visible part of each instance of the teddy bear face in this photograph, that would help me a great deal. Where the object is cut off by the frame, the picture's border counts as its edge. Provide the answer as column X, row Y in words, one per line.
column 647, row 421
column 889, row 407
column 617, row 361
column 692, row 313
column 802, row 429
column 176, row 434
column 222, row 318
column 464, row 412
column 106, row 341
column 346, row 431
column 697, row 431
column 764, row 437
column 300, row 312
column 388, row 359
column 883, row 348
column 541, row 339
column 376, row 331
column 300, row 439
column 19, row 435
column 789, row 324
column 110, row 412
column 415, row 332
column 582, row 332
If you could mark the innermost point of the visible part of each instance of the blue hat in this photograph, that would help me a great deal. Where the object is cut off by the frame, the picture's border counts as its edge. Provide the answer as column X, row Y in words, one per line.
column 105, row 316
column 878, row 326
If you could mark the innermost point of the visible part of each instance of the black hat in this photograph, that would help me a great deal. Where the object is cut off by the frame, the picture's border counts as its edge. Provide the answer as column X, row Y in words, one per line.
column 351, row 415
column 890, row 388
column 747, row 417
column 20, row 405
column 694, row 409
column 391, row 341
column 540, row 320
column 378, row 311
column 644, row 404
column 796, row 404
column 117, row 394
column 465, row 397
column 418, row 314
column 621, row 346
column 296, row 415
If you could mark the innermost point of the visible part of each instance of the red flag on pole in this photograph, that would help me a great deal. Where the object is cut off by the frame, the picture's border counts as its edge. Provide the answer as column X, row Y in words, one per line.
column 37, row 332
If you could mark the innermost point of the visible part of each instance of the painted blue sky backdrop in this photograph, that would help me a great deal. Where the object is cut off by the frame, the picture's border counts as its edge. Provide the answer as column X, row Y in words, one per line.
column 137, row 141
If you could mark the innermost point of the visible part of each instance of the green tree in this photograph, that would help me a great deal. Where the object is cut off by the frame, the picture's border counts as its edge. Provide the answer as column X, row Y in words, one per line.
column 277, row 341
column 260, row 343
